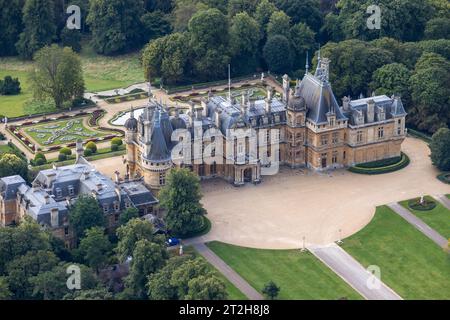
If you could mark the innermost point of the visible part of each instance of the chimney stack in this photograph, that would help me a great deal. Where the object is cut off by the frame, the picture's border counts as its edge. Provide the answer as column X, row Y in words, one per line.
column 54, row 218
column 346, row 103
column 370, row 110
column 117, row 175
column 79, row 149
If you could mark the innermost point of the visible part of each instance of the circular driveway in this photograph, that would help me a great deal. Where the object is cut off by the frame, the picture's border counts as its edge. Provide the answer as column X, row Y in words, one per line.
column 320, row 208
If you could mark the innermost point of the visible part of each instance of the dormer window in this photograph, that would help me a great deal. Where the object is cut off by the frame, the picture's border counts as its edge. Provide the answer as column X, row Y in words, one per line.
column 105, row 208
column 58, row 192
column 116, row 206
column 71, row 190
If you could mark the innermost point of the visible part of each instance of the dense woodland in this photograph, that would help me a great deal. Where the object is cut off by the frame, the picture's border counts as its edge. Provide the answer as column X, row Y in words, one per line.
column 187, row 41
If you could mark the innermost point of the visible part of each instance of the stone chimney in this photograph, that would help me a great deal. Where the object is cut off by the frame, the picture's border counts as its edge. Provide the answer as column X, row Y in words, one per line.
column 99, row 187
column 286, row 88
column 217, row 117
column 47, row 199
column 346, row 103
column 54, row 218
column 79, row 149
column 117, row 176
column 370, row 111
column 268, row 100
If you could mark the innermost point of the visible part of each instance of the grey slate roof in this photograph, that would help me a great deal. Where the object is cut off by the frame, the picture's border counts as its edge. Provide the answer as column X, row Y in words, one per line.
column 9, row 186
column 319, row 99
column 158, row 150
column 138, row 193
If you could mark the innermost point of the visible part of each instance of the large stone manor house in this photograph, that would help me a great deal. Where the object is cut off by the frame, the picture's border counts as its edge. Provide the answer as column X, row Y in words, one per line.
column 314, row 131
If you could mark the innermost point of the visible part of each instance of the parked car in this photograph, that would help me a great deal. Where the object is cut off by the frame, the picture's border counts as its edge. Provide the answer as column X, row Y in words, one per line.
column 171, row 242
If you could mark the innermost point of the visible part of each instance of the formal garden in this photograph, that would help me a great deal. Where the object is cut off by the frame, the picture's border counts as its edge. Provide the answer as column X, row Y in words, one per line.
column 382, row 166
column 50, row 134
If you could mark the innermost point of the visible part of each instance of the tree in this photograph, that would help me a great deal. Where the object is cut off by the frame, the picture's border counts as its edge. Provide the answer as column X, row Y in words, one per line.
column 92, row 294
column 95, row 248
column 21, row 269
column 10, row 165
column 71, row 38
column 181, row 198
column 165, row 6
column 52, row 284
column 9, row 86
column 166, row 57
column 271, row 290
column 183, row 12
column 437, row 28
column 430, row 93
column 392, row 79
column 209, row 39
column 155, row 24
column 277, row 54
column 39, row 27
column 244, row 40
column 206, row 288
column 264, row 11
column 5, row 293
column 440, row 149
column 11, row 26
column 127, row 215
column 279, row 24
column 57, row 75
column 148, row 257
column 115, row 25
column 130, row 233
column 307, row 11
column 238, row 6
column 352, row 64
column 85, row 214
column 303, row 40
column 159, row 283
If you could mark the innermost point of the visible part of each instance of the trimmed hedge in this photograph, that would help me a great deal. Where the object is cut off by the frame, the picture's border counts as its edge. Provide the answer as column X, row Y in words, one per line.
column 420, row 135
column 202, row 230
column 444, row 177
column 402, row 162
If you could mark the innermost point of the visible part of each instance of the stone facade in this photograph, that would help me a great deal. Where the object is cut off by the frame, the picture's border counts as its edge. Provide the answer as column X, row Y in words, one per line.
column 312, row 131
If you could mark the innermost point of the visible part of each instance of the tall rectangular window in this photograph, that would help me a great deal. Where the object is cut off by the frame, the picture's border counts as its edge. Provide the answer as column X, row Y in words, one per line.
column 162, row 179
column 359, row 136
column 335, row 138
column 380, row 133
column 324, row 139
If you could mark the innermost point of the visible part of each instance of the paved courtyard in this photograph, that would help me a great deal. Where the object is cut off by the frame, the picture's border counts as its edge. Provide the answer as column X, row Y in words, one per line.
column 321, row 207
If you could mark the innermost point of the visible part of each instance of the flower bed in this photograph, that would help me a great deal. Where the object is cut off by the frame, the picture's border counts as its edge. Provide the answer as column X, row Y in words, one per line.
column 425, row 205
column 376, row 167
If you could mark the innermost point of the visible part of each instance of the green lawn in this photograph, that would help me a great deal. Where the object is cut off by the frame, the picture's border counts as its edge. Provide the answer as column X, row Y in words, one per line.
column 12, row 106
column 100, row 73
column 438, row 218
column 411, row 264
column 5, row 149
column 299, row 275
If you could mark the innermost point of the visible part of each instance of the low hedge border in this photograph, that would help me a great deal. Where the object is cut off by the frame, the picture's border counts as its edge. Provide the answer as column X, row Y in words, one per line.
column 426, row 206
column 444, row 177
column 404, row 161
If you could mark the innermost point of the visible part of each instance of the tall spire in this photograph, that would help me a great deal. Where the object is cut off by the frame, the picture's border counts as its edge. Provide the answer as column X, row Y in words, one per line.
column 150, row 94
column 132, row 112
column 307, row 62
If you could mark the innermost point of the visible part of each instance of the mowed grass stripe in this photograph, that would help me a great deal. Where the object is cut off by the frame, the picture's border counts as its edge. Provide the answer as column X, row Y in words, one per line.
column 299, row 274
column 411, row 264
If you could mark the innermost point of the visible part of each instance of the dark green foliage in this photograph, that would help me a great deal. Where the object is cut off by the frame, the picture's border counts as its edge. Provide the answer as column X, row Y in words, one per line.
column 271, row 290
column 71, row 38
column 426, row 205
column 66, row 151
column 57, row 75
column 9, row 86
column 114, row 147
column 10, row 165
column 39, row 27
column 95, row 248
column 91, row 146
column 117, row 141
column 10, row 25
column 155, row 24
column 440, row 149
column 186, row 278
column 307, row 11
column 181, row 198
column 438, row 28
column 277, row 54
column 376, row 169
column 392, row 79
column 87, row 152
column 430, row 93
column 127, row 215
column 115, row 25
column 85, row 214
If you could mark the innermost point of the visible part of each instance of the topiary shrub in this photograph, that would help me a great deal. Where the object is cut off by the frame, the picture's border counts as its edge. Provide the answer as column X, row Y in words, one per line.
column 65, row 151
column 444, row 177
column 114, row 147
column 87, row 152
column 92, row 146
column 117, row 141
column 62, row 157
column 41, row 158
